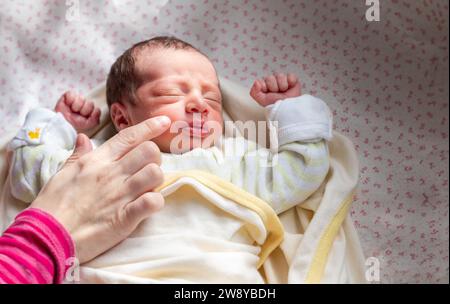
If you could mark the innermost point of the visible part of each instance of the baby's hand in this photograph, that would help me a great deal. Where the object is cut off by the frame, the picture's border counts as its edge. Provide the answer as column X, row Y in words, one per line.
column 275, row 87
column 81, row 114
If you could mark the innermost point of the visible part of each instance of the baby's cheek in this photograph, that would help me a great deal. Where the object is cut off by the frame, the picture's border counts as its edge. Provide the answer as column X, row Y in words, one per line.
column 172, row 111
column 216, row 123
column 218, row 118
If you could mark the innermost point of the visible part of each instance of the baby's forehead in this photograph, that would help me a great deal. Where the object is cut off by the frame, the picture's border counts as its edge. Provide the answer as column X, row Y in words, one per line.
column 174, row 65
column 158, row 53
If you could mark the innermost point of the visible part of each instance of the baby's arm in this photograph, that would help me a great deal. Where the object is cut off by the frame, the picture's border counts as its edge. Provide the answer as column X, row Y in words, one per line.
column 288, row 176
column 40, row 148
column 45, row 142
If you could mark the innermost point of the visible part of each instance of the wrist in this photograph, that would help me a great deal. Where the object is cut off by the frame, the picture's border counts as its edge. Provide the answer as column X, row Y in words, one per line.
column 48, row 237
column 302, row 118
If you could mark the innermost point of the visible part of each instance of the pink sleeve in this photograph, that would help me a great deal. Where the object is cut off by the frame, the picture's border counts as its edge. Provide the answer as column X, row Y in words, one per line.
column 34, row 249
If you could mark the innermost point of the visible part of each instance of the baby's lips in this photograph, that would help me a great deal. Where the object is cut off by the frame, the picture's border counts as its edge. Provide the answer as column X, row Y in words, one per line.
column 197, row 123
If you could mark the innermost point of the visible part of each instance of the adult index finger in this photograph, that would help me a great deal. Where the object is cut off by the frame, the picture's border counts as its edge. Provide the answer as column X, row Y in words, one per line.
column 120, row 144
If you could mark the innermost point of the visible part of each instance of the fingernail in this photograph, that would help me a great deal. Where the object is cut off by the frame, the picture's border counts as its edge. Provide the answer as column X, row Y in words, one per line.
column 79, row 140
column 163, row 120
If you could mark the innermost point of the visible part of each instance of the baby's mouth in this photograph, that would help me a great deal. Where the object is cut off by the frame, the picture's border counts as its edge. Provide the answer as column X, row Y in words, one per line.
column 197, row 129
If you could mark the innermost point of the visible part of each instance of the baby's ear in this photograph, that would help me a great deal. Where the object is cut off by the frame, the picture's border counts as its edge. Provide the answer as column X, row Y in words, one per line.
column 119, row 116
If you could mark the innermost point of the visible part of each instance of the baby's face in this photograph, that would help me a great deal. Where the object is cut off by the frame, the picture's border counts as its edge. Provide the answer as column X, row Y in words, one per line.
column 183, row 85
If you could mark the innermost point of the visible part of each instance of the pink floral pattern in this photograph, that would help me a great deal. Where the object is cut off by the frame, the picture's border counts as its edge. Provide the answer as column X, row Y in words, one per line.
column 386, row 82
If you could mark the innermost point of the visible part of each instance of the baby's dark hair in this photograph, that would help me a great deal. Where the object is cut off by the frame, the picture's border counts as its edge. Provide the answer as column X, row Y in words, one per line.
column 123, row 80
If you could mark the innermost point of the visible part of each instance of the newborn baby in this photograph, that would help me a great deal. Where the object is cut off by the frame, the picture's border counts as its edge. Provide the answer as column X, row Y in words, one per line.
column 167, row 76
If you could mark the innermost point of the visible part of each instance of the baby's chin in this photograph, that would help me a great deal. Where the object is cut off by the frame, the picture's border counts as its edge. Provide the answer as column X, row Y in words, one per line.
column 184, row 143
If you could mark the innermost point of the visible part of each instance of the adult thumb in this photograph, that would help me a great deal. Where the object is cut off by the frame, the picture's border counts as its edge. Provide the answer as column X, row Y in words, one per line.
column 82, row 146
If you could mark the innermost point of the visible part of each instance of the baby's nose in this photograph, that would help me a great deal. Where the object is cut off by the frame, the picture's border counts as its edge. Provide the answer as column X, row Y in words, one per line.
column 196, row 104
column 192, row 108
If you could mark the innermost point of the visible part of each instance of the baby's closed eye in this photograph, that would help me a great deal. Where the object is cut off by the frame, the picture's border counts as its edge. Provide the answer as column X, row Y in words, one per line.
column 168, row 92
column 211, row 95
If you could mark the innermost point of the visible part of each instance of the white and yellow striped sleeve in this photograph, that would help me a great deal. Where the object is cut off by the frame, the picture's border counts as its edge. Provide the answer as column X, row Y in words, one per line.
column 289, row 174
column 40, row 148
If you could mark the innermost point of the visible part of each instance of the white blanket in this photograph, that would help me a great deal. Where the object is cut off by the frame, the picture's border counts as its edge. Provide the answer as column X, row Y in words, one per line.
column 200, row 236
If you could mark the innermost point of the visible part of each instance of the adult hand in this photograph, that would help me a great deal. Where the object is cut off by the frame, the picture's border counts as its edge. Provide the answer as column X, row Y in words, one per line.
column 101, row 196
